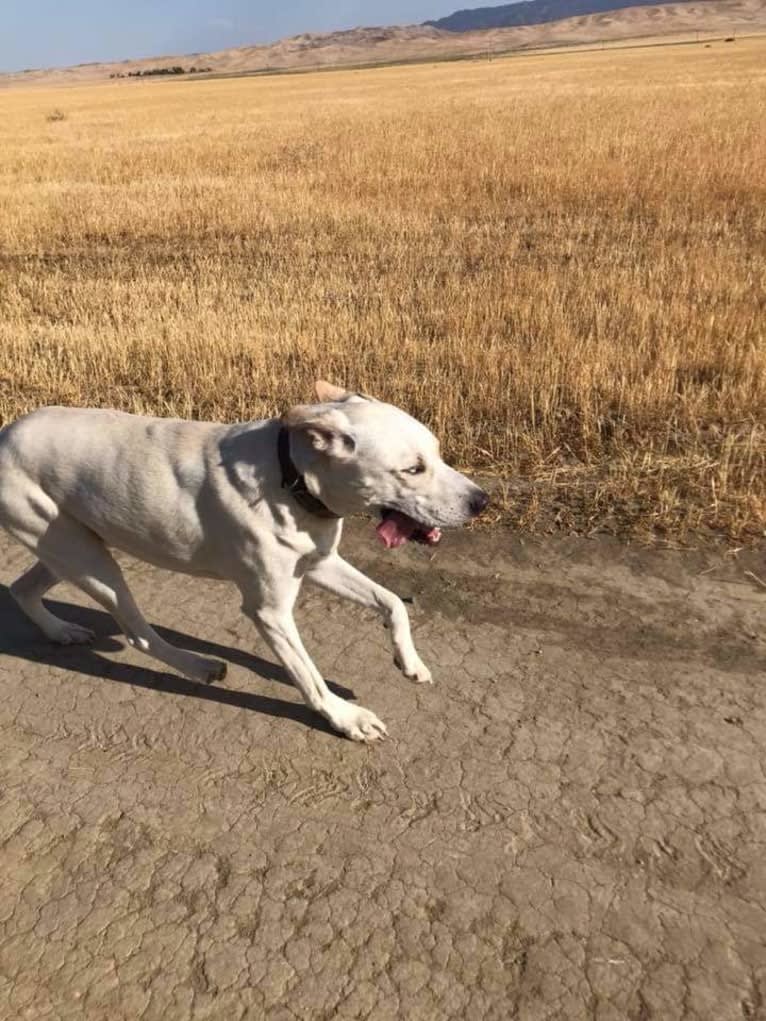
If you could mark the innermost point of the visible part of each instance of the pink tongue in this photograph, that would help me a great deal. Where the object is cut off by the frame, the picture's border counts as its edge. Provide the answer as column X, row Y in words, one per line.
column 398, row 528
column 395, row 530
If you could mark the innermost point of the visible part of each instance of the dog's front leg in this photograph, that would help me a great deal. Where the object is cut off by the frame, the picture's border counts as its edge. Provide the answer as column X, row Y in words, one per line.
column 337, row 575
column 276, row 624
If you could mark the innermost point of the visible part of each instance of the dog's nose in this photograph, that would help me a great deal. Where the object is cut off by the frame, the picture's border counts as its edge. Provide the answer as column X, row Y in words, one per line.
column 479, row 503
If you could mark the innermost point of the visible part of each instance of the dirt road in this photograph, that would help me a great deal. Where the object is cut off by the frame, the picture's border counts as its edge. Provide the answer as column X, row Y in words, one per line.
column 570, row 824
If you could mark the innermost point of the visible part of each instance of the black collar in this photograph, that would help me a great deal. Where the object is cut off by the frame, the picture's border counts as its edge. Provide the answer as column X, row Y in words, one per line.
column 295, row 484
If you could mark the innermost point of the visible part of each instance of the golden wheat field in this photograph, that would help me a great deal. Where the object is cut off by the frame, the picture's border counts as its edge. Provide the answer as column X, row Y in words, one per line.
column 558, row 262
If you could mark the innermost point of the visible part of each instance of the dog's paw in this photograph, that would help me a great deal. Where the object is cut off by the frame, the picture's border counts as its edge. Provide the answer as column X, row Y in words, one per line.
column 355, row 722
column 211, row 670
column 414, row 669
column 66, row 633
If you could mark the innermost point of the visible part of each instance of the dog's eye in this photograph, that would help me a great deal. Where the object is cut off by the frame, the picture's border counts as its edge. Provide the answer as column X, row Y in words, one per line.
column 416, row 469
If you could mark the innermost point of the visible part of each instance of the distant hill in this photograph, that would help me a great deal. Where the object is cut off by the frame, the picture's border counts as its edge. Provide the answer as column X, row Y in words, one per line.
column 533, row 12
column 680, row 20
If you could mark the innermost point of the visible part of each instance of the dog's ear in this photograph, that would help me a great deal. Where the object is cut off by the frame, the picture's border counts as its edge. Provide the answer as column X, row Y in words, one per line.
column 328, row 393
column 321, row 432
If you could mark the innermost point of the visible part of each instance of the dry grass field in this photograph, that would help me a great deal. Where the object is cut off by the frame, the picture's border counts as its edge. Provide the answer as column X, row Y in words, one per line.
column 558, row 262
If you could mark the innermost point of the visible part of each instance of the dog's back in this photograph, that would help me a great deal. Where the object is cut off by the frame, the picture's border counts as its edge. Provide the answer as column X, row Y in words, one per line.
column 127, row 478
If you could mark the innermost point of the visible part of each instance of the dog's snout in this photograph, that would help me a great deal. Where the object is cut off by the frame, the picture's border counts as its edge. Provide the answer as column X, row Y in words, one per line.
column 478, row 502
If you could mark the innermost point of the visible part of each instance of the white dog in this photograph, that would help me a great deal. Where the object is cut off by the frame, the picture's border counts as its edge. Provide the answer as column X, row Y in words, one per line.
column 259, row 504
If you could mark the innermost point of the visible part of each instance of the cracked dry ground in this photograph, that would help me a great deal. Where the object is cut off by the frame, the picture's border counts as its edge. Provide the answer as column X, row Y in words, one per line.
column 569, row 824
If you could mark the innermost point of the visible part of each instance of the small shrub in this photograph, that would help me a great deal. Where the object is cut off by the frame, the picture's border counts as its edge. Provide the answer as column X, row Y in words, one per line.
column 56, row 115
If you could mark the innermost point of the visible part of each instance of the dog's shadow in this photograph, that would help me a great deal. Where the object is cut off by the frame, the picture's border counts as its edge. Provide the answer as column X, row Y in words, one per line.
column 20, row 638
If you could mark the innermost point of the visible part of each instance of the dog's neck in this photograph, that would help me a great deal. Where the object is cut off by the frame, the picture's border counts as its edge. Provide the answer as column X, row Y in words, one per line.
column 295, row 483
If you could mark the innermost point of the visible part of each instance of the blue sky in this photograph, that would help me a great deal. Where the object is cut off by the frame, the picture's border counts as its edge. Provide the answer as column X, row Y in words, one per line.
column 45, row 33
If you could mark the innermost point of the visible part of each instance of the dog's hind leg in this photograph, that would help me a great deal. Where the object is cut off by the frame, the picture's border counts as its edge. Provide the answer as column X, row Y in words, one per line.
column 28, row 591
column 72, row 552
column 29, row 515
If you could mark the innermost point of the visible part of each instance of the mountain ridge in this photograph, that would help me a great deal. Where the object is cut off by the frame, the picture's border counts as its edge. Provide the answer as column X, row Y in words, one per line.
column 534, row 12
column 415, row 43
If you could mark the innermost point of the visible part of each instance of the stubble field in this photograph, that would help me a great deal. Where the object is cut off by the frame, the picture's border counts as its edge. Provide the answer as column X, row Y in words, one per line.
column 558, row 262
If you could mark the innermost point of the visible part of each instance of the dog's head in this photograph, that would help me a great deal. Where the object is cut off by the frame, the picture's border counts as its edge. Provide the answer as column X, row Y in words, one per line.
column 361, row 456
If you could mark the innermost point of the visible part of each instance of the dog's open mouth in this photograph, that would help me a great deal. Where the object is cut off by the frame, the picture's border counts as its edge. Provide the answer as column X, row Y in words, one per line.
column 396, row 528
